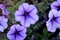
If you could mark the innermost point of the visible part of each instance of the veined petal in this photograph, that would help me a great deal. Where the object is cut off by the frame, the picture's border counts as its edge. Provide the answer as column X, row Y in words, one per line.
column 33, row 11
column 17, row 17
column 34, row 17
column 20, row 28
column 30, row 8
column 54, row 5
column 18, row 12
column 50, row 27
column 24, row 33
column 4, row 24
column 25, row 6
column 58, row 22
column 27, row 22
column 21, row 8
column 32, row 21
column 19, row 38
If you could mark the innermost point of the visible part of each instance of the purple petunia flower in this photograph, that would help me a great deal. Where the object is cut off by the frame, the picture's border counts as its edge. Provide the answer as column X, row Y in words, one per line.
column 3, row 23
column 54, row 20
column 17, row 32
column 55, row 5
column 3, row 8
column 26, row 14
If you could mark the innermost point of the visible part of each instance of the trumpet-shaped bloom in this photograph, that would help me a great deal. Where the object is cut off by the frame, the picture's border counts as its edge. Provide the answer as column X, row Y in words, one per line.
column 16, row 32
column 3, row 8
column 3, row 23
column 26, row 14
column 54, row 20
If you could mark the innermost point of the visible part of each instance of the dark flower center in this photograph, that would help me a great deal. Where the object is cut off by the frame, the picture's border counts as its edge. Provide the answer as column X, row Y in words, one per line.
column 58, row 8
column 16, row 33
column 26, row 14
column 54, row 18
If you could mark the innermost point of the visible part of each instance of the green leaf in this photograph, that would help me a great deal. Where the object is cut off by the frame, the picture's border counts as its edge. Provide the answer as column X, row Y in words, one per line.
column 29, row 31
column 45, row 32
column 38, row 36
column 42, row 6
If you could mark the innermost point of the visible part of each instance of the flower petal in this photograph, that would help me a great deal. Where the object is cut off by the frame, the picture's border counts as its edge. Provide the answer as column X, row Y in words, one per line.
column 56, row 24
column 2, row 6
column 33, row 11
column 19, row 28
column 5, row 20
column 30, row 8
column 58, row 14
column 5, row 12
column 25, row 6
column 18, row 37
column 17, row 17
column 1, row 29
column 21, row 8
column 18, row 13
column 27, row 22
column 52, row 13
column 33, row 18
column 54, row 5
column 58, row 19
column 12, row 28
column 50, row 26
column 11, row 37
column 10, row 32
column 4, row 24
column 22, row 21
column 24, row 33
column 58, row 1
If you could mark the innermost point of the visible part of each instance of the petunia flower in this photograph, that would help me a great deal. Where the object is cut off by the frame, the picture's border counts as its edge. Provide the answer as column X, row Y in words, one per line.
column 55, row 5
column 4, row 10
column 54, row 20
column 26, row 14
column 3, row 23
column 17, row 32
